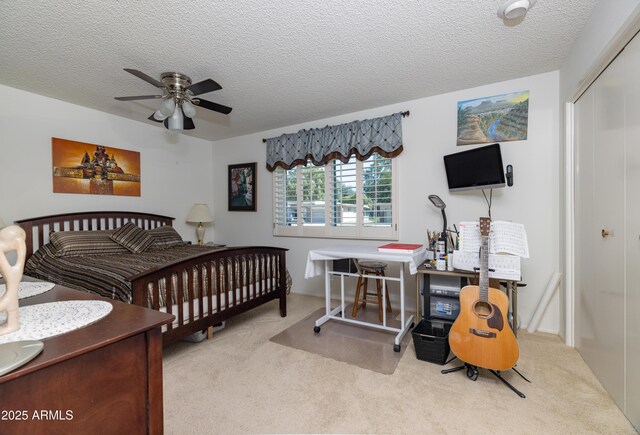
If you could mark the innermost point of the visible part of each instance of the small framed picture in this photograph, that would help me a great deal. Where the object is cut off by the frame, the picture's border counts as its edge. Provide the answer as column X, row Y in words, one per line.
column 242, row 187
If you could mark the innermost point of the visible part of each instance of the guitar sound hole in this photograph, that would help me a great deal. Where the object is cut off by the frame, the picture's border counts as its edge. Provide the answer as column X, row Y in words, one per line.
column 482, row 309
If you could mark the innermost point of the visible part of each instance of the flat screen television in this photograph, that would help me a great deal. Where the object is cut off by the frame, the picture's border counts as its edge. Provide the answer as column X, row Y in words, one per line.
column 479, row 168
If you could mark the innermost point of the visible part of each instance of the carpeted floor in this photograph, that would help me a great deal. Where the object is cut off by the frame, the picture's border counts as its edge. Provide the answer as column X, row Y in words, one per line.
column 368, row 348
column 240, row 382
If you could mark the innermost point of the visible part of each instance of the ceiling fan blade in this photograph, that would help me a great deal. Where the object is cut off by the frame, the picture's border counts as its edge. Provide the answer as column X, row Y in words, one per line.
column 144, row 77
column 213, row 106
column 203, row 87
column 138, row 97
column 188, row 124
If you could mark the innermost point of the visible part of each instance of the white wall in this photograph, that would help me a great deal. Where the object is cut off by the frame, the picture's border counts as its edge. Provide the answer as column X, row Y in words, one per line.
column 606, row 20
column 175, row 169
column 428, row 134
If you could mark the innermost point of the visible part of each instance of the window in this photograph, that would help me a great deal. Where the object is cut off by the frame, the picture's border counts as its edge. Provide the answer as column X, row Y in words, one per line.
column 356, row 199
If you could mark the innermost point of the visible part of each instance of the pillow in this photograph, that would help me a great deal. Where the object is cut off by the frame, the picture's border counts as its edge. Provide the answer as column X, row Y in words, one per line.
column 165, row 236
column 32, row 267
column 72, row 243
column 132, row 237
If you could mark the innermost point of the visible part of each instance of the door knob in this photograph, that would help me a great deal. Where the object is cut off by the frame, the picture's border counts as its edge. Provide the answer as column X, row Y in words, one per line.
column 606, row 233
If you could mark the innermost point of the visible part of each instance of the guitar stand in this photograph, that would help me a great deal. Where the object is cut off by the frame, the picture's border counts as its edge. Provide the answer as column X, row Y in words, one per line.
column 472, row 373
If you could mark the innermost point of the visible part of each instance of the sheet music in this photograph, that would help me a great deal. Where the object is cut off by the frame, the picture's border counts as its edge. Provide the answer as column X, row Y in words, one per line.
column 504, row 266
column 508, row 238
column 504, row 238
column 469, row 237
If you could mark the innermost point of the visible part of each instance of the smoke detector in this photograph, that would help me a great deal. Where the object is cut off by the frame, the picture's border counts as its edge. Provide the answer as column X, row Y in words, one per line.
column 514, row 8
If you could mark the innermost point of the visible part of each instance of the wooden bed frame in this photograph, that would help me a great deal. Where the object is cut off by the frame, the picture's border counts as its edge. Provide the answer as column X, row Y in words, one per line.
column 263, row 267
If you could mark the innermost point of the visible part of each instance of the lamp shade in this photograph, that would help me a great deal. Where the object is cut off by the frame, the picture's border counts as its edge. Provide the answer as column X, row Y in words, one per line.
column 159, row 116
column 176, row 121
column 200, row 213
column 435, row 200
column 188, row 109
column 167, row 107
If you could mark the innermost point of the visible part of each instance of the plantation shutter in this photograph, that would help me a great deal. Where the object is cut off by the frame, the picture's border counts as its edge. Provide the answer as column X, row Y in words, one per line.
column 343, row 193
column 377, row 187
column 312, row 187
column 285, row 195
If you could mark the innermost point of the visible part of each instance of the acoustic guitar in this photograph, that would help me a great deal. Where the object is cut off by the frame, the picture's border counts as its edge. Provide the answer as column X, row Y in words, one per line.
column 481, row 336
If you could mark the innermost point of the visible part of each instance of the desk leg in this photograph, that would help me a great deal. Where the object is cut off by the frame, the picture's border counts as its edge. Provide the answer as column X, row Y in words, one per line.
column 402, row 313
column 327, row 296
column 512, row 294
column 405, row 323
column 418, row 296
column 426, row 297
column 327, row 287
column 342, row 304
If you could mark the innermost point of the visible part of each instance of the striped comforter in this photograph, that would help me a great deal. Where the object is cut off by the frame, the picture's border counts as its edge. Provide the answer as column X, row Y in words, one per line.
column 105, row 275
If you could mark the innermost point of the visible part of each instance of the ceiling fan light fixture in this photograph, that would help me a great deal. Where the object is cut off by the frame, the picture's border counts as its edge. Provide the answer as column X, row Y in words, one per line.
column 176, row 121
column 512, row 9
column 158, row 115
column 168, row 107
column 176, row 109
column 188, row 109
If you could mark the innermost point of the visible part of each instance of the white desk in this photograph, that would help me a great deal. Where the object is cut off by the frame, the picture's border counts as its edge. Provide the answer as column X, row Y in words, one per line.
column 320, row 262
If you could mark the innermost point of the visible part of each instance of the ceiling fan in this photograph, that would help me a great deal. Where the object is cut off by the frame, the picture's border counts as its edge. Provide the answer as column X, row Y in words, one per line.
column 179, row 99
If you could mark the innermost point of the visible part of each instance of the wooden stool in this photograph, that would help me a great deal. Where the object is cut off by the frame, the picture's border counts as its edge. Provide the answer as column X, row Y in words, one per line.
column 366, row 268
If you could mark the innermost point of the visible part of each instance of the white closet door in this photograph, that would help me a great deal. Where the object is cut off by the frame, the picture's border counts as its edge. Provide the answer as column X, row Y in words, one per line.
column 601, row 309
column 632, row 148
column 585, row 261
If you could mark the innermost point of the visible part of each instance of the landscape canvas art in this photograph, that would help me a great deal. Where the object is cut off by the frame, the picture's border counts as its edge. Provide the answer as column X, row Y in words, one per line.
column 500, row 118
column 80, row 167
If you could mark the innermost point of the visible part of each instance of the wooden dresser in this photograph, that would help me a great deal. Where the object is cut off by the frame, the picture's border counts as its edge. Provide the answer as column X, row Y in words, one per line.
column 104, row 378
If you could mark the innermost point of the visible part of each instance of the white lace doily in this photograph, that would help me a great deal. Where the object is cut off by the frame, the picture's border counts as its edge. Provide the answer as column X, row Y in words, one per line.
column 54, row 318
column 27, row 289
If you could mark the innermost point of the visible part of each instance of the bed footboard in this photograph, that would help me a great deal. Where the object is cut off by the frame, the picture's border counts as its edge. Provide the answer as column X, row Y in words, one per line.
column 204, row 290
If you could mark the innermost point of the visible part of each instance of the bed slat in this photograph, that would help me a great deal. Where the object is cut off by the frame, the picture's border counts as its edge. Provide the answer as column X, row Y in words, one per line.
column 190, row 290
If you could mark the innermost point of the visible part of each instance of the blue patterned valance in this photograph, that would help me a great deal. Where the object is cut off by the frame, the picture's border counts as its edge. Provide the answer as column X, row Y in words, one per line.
column 320, row 145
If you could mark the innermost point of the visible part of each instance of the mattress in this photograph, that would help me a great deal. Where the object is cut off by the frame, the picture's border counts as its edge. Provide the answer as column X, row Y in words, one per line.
column 105, row 275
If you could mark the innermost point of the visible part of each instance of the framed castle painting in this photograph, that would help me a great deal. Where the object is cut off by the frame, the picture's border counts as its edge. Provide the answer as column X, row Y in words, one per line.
column 80, row 167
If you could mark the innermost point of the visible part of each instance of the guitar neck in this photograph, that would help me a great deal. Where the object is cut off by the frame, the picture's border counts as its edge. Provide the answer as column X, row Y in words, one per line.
column 484, row 269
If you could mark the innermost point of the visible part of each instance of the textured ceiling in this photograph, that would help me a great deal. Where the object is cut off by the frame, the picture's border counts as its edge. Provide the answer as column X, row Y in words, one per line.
column 279, row 62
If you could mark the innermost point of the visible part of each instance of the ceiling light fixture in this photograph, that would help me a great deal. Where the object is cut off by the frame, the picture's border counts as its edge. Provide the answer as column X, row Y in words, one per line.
column 175, row 121
column 512, row 9
column 188, row 109
column 158, row 116
column 179, row 99
column 167, row 107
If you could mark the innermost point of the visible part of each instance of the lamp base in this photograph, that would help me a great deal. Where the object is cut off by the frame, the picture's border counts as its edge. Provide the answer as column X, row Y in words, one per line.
column 200, row 233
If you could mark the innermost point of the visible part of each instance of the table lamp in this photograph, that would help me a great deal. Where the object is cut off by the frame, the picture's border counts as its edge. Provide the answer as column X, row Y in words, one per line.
column 200, row 213
column 435, row 200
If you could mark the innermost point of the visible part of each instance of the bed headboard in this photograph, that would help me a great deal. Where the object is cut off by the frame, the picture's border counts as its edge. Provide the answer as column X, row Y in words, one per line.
column 38, row 228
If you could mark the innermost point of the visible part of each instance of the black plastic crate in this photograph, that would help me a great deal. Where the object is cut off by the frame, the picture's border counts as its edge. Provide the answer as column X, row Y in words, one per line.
column 431, row 341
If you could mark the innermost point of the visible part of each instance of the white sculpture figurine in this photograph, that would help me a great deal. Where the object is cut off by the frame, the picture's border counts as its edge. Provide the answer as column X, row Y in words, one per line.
column 12, row 238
